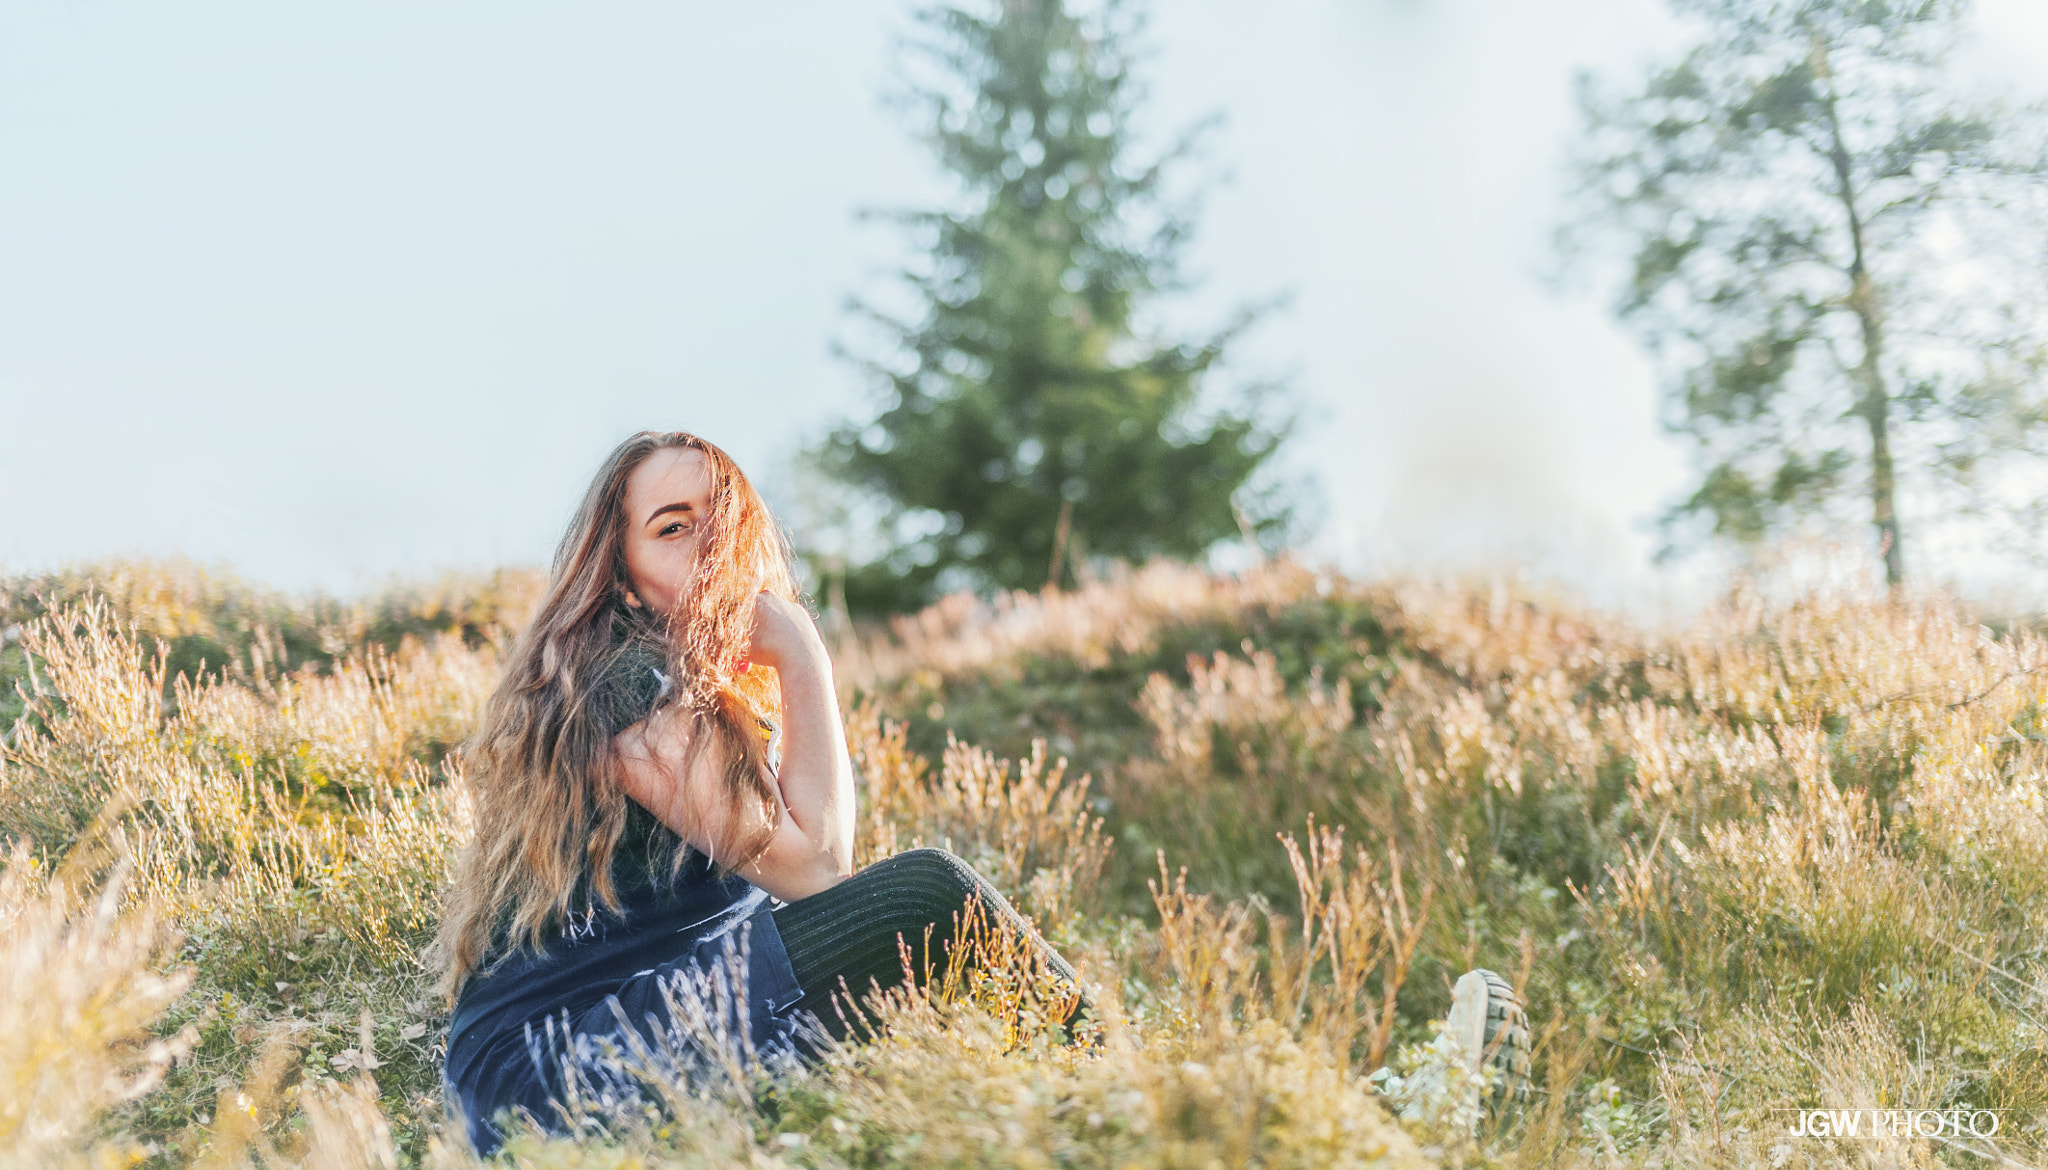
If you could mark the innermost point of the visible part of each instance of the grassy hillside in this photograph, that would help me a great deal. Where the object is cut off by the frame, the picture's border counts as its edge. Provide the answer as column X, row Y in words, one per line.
column 1793, row 855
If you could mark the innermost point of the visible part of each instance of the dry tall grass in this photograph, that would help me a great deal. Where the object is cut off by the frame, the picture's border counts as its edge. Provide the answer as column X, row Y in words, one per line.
column 79, row 983
column 1794, row 854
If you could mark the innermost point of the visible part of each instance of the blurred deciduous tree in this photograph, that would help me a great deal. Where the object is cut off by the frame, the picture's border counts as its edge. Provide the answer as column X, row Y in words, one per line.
column 1030, row 417
column 1840, row 256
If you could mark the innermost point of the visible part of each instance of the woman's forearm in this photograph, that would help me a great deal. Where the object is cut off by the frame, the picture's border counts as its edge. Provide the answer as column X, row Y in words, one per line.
column 816, row 777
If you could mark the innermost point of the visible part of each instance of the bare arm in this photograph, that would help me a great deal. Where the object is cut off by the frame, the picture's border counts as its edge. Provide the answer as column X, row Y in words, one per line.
column 812, row 845
column 816, row 776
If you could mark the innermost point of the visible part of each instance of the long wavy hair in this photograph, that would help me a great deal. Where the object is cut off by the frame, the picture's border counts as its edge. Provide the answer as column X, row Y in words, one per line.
column 549, row 809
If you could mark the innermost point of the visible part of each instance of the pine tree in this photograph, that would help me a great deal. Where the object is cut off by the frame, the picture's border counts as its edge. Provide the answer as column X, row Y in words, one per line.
column 1029, row 422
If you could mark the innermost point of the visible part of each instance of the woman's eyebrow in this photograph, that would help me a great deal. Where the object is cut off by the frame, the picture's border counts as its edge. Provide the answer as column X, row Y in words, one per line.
column 682, row 506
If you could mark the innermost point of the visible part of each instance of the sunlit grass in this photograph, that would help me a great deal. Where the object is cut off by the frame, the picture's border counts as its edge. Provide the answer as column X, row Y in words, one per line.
column 1792, row 854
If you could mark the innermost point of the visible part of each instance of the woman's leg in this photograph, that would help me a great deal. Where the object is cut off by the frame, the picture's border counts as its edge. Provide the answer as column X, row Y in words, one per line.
column 850, row 932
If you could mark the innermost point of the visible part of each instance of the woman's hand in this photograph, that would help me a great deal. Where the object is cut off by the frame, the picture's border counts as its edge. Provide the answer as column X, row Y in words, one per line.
column 784, row 637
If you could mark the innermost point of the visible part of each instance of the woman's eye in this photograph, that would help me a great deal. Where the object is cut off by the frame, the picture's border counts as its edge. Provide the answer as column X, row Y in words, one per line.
column 672, row 528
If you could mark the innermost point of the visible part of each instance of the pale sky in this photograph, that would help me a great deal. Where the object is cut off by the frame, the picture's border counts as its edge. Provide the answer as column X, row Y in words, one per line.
column 332, row 293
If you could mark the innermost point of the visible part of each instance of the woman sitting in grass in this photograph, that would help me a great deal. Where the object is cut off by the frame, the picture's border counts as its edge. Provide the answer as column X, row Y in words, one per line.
column 634, row 826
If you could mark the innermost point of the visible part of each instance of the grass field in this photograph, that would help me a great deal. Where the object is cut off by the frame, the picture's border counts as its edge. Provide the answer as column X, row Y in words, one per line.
column 1791, row 855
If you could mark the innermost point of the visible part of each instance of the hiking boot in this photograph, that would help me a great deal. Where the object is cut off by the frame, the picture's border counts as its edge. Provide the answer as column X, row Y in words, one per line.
column 1488, row 1020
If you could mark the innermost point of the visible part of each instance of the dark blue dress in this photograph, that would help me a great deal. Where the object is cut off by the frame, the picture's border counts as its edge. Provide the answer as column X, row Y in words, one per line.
column 522, row 1028
column 515, row 1027
column 527, row 1025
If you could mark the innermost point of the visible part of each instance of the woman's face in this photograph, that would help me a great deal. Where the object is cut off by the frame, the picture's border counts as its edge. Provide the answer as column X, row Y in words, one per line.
column 668, row 498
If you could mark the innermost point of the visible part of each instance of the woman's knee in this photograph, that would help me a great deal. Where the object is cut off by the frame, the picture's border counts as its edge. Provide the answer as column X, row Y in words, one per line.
column 927, row 887
column 932, row 859
column 924, row 876
column 936, row 875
